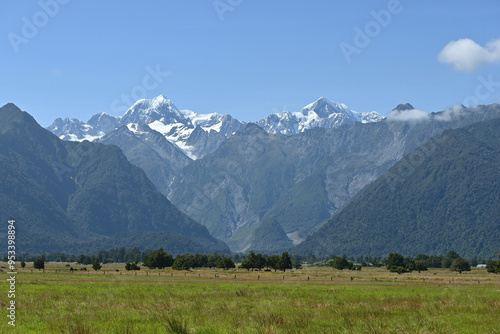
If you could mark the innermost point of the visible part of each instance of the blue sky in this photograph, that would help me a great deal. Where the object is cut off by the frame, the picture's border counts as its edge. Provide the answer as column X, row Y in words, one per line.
column 248, row 58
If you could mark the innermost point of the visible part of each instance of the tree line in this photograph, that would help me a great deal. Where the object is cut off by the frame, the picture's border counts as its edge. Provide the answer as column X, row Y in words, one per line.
column 395, row 262
column 117, row 255
column 160, row 259
column 275, row 262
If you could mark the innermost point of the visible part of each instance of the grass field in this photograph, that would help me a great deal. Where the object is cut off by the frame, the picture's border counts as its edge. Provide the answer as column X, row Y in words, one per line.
column 311, row 300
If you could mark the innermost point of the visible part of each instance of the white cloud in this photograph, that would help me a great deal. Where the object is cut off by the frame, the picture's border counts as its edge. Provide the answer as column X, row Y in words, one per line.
column 451, row 113
column 467, row 56
column 407, row 115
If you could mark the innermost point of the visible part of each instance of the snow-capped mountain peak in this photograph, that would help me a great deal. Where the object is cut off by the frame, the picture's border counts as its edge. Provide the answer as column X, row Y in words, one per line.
column 104, row 122
column 158, row 109
column 195, row 134
column 320, row 113
column 325, row 108
column 199, row 134
column 76, row 130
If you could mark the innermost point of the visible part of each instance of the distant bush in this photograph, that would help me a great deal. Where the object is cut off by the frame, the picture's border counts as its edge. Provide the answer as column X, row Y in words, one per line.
column 493, row 267
column 96, row 264
column 459, row 264
column 39, row 263
column 398, row 269
column 158, row 259
column 132, row 266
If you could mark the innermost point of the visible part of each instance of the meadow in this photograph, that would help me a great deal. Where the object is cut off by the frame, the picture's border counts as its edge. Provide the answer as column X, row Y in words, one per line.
column 310, row 300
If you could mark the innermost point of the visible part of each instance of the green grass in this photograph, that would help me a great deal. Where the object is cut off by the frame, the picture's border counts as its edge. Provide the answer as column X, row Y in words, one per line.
column 375, row 301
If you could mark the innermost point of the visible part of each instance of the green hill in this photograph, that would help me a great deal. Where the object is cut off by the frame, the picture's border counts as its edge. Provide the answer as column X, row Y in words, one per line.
column 443, row 196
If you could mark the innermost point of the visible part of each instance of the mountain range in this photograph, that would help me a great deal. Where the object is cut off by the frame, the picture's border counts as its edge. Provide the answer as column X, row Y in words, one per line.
column 319, row 114
column 301, row 180
column 296, row 169
column 82, row 196
column 194, row 134
column 443, row 196
column 200, row 134
column 283, row 177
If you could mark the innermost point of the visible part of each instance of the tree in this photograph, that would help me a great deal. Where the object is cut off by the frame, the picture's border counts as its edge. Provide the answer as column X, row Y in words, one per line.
column 420, row 265
column 493, row 266
column 340, row 263
column 395, row 260
column 448, row 259
column 63, row 257
column 96, row 264
column 257, row 261
column 183, row 262
column 23, row 264
column 421, row 257
column 273, row 262
column 409, row 264
column 132, row 266
column 199, row 261
column 83, row 259
column 296, row 265
column 285, row 262
column 225, row 263
column 158, row 259
column 39, row 263
column 460, row 264
column 434, row 261
column 212, row 260
column 245, row 264
column 398, row 269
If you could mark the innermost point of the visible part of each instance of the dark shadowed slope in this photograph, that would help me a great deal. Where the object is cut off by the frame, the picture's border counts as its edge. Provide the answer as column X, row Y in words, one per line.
column 446, row 195
column 70, row 196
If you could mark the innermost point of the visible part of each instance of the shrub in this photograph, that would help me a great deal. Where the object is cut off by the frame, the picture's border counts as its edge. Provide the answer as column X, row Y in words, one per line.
column 132, row 266
column 39, row 263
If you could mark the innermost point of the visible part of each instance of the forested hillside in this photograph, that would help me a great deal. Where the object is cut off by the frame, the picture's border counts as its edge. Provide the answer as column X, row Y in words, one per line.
column 72, row 197
column 443, row 196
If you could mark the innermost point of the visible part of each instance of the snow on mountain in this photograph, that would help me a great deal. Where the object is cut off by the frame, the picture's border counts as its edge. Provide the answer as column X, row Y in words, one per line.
column 180, row 127
column 321, row 113
column 158, row 109
column 74, row 130
column 104, row 122
column 200, row 134
column 371, row 117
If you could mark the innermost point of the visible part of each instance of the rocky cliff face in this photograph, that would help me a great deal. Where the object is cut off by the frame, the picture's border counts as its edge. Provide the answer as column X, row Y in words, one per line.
column 442, row 196
column 254, row 175
column 150, row 150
